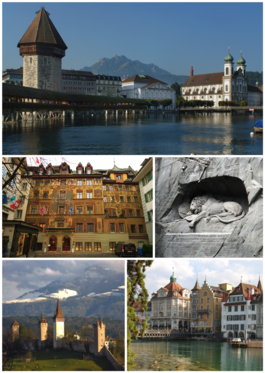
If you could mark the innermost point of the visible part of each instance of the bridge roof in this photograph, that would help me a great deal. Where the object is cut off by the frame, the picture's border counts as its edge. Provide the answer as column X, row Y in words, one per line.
column 11, row 90
column 42, row 30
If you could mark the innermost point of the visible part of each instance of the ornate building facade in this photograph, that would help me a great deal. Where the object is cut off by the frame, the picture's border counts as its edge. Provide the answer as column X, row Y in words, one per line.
column 85, row 209
column 171, row 307
column 42, row 49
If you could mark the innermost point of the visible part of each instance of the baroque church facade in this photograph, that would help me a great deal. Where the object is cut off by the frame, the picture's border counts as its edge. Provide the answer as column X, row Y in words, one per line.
column 229, row 85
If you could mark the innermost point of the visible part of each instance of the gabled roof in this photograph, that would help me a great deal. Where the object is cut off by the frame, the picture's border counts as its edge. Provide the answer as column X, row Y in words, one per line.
column 42, row 30
column 196, row 286
column 15, row 323
column 204, row 79
column 142, row 79
column 251, row 88
column 58, row 313
column 245, row 290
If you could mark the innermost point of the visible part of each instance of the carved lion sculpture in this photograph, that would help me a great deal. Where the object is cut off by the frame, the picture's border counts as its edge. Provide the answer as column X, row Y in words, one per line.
column 208, row 207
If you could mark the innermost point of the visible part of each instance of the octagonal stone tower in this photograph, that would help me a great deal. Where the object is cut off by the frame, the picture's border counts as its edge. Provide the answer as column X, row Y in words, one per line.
column 43, row 330
column 42, row 49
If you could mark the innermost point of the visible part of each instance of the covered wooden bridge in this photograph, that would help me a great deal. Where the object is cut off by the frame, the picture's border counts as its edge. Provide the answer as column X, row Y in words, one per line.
column 30, row 103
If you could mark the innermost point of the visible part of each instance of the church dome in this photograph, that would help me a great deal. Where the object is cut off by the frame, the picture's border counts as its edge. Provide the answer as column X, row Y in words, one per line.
column 229, row 58
column 173, row 278
column 241, row 61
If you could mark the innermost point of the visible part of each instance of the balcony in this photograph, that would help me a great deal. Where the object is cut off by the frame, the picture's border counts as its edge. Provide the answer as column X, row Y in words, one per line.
column 204, row 311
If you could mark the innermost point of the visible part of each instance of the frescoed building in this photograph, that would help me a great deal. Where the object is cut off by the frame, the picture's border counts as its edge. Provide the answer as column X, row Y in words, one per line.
column 85, row 209
column 171, row 307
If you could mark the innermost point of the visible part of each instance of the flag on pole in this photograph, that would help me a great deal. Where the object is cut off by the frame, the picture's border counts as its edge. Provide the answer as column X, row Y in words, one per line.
column 4, row 199
column 15, row 205
column 71, row 211
column 42, row 210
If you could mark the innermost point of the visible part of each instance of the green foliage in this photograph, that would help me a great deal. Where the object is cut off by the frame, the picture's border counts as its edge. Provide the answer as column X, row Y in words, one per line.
column 136, row 292
column 166, row 102
column 23, row 333
column 243, row 103
column 254, row 77
column 31, row 334
column 118, row 350
column 29, row 355
column 148, row 249
column 227, row 103
column 176, row 86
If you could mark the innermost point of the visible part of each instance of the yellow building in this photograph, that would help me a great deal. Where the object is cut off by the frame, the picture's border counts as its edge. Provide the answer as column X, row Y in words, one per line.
column 85, row 209
column 209, row 308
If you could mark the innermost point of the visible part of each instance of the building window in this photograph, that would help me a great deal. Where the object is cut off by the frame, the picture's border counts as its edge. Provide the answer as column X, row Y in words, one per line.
column 45, row 195
column 63, row 195
column 216, row 307
column 61, row 209
column 113, row 212
column 138, row 213
column 121, row 199
column 89, row 182
column 150, row 215
column 24, row 186
column 129, row 199
column 89, row 195
column 121, row 227
column 79, row 246
column 226, row 88
column 88, row 246
column 36, row 194
column 42, row 225
column 135, row 199
column 229, row 308
column 112, row 246
column 130, row 213
column 90, row 227
column 18, row 214
column 227, row 71
column 79, row 210
column 104, row 187
column 88, row 172
column 79, row 182
column 201, row 300
column 236, row 308
column 242, row 308
column 110, row 187
column 97, row 246
column 133, row 229
column 253, row 307
column 79, row 227
column 34, row 210
column 105, row 199
column 22, row 200
column 141, row 229
column 112, row 227
column 89, row 210
column 208, row 300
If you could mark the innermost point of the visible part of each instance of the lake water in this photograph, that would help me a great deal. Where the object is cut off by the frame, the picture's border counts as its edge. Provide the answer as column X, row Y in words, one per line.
column 195, row 355
column 154, row 134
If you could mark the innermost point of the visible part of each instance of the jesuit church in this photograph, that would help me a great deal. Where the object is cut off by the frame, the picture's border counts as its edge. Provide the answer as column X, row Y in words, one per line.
column 229, row 85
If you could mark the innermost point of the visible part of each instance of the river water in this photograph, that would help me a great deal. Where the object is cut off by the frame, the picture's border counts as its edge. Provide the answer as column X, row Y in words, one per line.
column 195, row 355
column 154, row 134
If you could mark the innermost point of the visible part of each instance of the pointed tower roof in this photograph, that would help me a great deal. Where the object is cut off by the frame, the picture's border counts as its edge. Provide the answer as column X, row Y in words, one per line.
column 196, row 286
column 15, row 323
column 58, row 316
column 42, row 30
column 260, row 286
column 42, row 321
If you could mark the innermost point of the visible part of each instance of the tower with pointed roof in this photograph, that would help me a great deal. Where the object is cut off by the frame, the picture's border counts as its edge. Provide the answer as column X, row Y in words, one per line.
column 194, row 301
column 58, row 325
column 14, row 331
column 43, row 330
column 228, row 74
column 99, row 337
column 42, row 49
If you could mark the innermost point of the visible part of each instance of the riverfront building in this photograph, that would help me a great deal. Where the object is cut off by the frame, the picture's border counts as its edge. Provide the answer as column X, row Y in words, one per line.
column 207, row 307
column 42, row 49
column 239, row 312
column 144, row 86
column 141, row 316
column 13, row 76
column 228, row 85
column 109, row 86
column 85, row 209
column 80, row 82
column 171, row 307
column 145, row 179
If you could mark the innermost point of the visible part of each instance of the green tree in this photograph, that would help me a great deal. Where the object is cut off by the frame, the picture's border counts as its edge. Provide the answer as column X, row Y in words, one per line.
column 166, row 102
column 176, row 87
column 23, row 332
column 136, row 292
column 30, row 334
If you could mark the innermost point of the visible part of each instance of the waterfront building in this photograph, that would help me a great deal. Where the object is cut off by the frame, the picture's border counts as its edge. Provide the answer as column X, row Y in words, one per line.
column 144, row 177
column 58, row 325
column 228, row 85
column 208, row 307
column 239, row 311
column 19, row 237
column 195, row 302
column 85, row 209
column 141, row 316
column 145, row 86
column 109, row 86
column 42, row 49
column 80, row 82
column 43, row 330
column 255, row 95
column 13, row 76
column 171, row 307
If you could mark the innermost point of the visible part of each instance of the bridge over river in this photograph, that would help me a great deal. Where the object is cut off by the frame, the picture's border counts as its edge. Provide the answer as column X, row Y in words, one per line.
column 24, row 103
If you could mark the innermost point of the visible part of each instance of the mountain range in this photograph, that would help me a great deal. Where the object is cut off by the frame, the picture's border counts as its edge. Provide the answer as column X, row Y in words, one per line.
column 97, row 291
column 123, row 67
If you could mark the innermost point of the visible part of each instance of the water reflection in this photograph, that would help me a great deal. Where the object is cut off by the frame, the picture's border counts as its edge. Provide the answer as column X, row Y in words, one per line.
column 167, row 133
column 194, row 355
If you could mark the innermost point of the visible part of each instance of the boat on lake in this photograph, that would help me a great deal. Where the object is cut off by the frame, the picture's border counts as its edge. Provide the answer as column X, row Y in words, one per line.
column 258, row 126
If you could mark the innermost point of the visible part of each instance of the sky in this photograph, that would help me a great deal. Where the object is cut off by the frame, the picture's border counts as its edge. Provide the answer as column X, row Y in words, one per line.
column 97, row 161
column 21, row 276
column 173, row 36
column 217, row 271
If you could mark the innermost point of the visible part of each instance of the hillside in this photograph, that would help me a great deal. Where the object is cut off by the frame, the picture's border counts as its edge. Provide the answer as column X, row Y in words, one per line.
column 123, row 67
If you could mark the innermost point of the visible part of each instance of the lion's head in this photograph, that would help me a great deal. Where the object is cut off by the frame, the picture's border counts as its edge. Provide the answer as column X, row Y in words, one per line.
column 196, row 204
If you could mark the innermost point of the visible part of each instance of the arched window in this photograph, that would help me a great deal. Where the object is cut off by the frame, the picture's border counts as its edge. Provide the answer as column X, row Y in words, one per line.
column 227, row 71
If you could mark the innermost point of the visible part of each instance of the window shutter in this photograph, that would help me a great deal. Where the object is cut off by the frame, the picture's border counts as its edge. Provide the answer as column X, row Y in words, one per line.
column 143, row 182
column 149, row 215
column 146, row 199
column 151, row 192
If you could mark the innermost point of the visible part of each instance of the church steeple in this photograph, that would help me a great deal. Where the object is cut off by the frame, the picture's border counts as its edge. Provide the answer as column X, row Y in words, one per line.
column 260, row 285
column 173, row 278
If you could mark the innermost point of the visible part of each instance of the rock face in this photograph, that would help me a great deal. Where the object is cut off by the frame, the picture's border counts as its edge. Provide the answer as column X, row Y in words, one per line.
column 209, row 207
